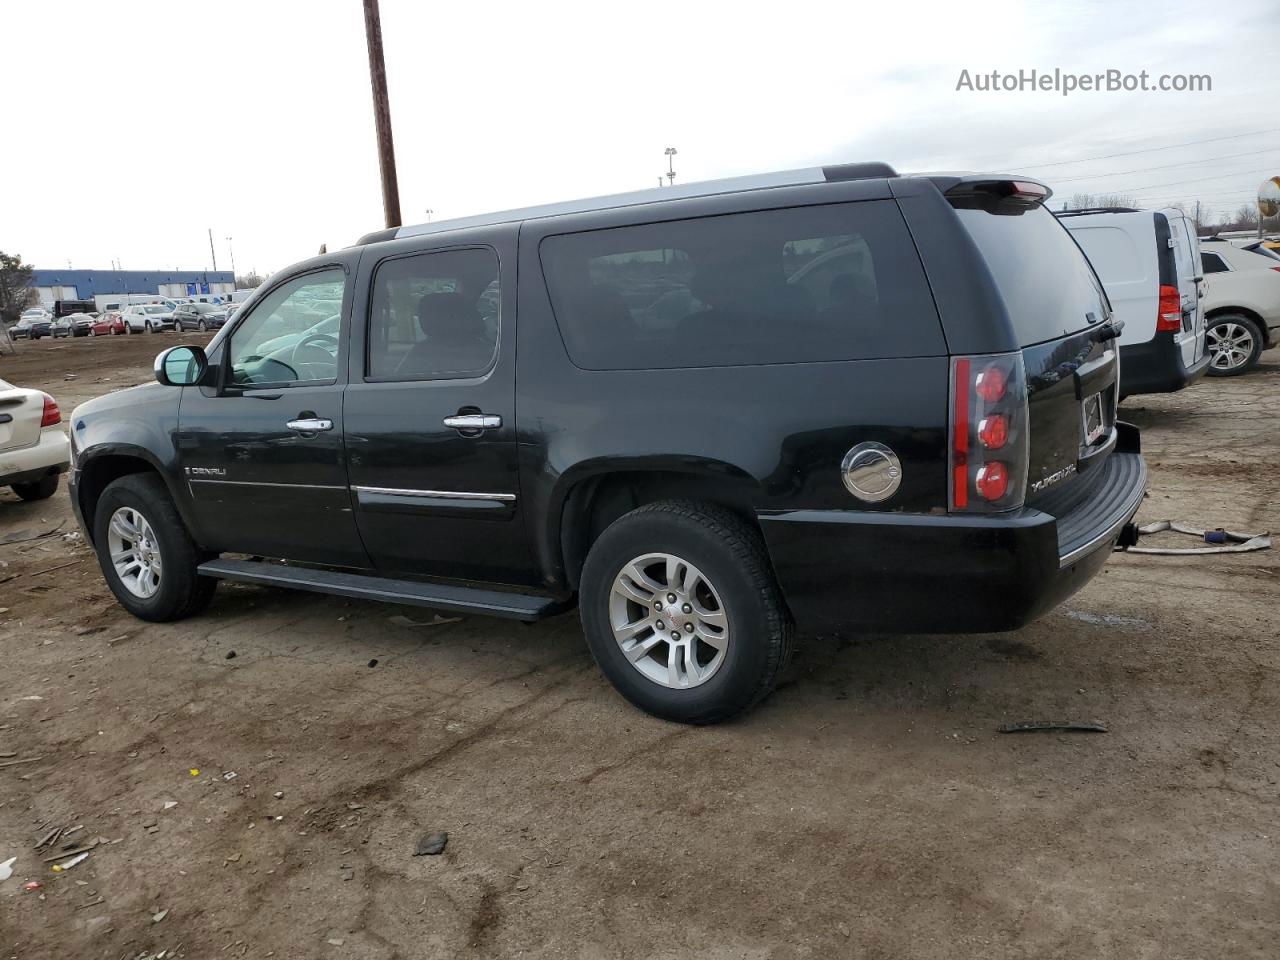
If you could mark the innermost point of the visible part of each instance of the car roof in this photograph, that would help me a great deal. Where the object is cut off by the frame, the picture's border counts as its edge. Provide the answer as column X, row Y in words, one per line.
column 705, row 188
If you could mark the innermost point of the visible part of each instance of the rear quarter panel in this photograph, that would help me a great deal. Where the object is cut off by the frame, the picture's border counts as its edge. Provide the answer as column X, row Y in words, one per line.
column 771, row 435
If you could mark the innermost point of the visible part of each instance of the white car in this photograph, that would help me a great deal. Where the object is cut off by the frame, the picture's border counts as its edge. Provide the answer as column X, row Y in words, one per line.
column 1242, row 303
column 1149, row 264
column 34, row 451
column 148, row 317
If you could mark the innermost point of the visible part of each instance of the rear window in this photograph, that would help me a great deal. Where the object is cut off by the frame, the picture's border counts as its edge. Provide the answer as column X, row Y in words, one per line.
column 1047, row 284
column 807, row 284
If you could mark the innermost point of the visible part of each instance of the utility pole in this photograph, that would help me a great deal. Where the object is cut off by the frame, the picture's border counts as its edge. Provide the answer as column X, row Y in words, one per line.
column 231, row 250
column 212, row 252
column 382, row 114
column 671, row 173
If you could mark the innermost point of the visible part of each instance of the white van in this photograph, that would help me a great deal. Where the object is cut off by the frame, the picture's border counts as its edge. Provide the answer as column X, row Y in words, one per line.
column 1149, row 263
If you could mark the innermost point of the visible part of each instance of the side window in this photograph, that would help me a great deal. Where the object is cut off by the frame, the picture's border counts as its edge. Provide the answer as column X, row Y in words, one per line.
column 1212, row 263
column 292, row 334
column 806, row 284
column 434, row 316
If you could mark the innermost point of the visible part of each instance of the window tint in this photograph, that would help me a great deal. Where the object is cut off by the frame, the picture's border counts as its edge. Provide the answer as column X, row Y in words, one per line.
column 1047, row 284
column 434, row 316
column 1113, row 253
column 1212, row 263
column 836, row 282
column 291, row 335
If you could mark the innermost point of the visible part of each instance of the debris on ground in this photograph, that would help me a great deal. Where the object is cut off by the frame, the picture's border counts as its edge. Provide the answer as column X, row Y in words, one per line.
column 373, row 663
column 67, row 865
column 431, row 844
column 279, row 794
column 32, row 885
column 14, row 763
column 1218, row 538
column 6, row 869
column 230, row 775
column 157, row 917
column 1053, row 726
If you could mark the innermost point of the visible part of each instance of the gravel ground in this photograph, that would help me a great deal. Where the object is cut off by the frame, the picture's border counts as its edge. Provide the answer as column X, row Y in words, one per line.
column 256, row 785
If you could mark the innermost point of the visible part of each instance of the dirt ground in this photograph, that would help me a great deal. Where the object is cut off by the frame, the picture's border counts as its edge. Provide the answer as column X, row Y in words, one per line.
column 257, row 778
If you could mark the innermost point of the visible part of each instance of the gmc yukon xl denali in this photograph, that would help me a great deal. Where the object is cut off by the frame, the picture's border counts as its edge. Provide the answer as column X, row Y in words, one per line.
column 713, row 415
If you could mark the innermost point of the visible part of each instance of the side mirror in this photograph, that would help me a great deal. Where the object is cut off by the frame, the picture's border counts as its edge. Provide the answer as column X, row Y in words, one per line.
column 181, row 366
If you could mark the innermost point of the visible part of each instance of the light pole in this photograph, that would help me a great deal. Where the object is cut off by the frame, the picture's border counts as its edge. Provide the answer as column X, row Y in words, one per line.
column 671, row 172
column 232, row 252
column 429, row 213
column 382, row 114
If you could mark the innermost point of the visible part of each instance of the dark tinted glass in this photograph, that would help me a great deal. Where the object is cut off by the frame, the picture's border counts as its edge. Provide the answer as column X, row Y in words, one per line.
column 1047, row 283
column 1212, row 263
column 836, row 282
column 434, row 316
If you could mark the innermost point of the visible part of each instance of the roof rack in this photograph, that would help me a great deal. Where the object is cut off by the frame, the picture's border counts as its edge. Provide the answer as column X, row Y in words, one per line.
column 1083, row 211
column 870, row 170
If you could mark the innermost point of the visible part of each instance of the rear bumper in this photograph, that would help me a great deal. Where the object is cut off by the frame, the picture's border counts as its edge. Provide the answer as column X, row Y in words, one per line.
column 950, row 573
column 1156, row 366
column 49, row 455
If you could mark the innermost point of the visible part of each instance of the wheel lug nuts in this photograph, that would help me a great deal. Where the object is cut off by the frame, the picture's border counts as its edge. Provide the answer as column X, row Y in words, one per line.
column 657, row 604
column 687, row 608
column 671, row 598
column 688, row 628
column 661, row 625
column 675, row 635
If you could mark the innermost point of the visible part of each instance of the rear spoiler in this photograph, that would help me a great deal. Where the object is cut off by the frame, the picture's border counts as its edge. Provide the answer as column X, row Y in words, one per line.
column 996, row 194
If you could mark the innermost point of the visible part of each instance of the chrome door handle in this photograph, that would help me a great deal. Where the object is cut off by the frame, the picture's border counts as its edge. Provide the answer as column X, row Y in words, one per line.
column 310, row 425
column 473, row 421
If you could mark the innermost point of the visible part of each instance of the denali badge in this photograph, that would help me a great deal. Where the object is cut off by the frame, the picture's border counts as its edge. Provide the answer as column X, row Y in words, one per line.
column 206, row 472
column 1053, row 478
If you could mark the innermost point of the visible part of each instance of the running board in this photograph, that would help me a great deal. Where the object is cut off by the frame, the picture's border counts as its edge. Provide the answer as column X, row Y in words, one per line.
column 454, row 599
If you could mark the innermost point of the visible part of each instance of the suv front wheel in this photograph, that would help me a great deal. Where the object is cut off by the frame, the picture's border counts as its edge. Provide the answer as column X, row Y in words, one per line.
column 147, row 557
column 682, row 613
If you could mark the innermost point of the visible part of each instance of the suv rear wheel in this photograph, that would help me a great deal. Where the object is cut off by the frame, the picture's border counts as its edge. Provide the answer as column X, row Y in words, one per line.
column 682, row 613
column 147, row 557
column 1234, row 343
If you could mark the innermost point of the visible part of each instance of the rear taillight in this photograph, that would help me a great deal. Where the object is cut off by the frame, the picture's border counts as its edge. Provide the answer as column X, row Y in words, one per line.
column 1169, row 314
column 52, row 415
column 988, row 433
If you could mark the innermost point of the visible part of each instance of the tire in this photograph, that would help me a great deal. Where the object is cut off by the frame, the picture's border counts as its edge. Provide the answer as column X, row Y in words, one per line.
column 1239, row 343
column 732, row 582
column 41, row 489
column 178, row 592
column 148, row 327
column 201, row 326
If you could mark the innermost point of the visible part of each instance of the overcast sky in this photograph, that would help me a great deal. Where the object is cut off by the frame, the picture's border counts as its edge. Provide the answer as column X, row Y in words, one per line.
column 149, row 121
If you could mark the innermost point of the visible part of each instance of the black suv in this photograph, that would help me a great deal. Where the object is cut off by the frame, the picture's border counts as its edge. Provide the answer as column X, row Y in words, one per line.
column 714, row 415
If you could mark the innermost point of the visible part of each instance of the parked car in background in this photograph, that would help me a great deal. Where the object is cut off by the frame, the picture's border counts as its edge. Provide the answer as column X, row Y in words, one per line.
column 932, row 443
column 34, row 450
column 110, row 322
column 1242, row 303
column 1149, row 263
column 148, row 317
column 199, row 316
column 60, row 327
column 32, row 324
column 81, row 324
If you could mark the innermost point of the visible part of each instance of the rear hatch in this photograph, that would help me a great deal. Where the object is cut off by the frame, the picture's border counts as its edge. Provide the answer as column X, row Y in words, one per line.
column 1063, row 323
column 20, row 414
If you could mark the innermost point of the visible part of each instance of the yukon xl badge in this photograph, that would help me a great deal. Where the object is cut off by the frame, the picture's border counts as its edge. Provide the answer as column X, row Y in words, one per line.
column 206, row 472
column 1053, row 478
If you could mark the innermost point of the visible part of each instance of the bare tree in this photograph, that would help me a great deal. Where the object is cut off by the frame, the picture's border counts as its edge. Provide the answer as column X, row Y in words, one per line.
column 1089, row 201
column 15, row 291
column 248, row 281
column 1247, row 216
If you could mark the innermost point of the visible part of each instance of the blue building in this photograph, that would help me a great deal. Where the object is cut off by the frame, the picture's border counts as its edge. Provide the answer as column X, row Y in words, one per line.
column 51, row 285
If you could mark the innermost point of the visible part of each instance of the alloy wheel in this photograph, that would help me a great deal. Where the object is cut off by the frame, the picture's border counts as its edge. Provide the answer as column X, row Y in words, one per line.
column 135, row 552
column 1230, row 346
column 668, row 620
